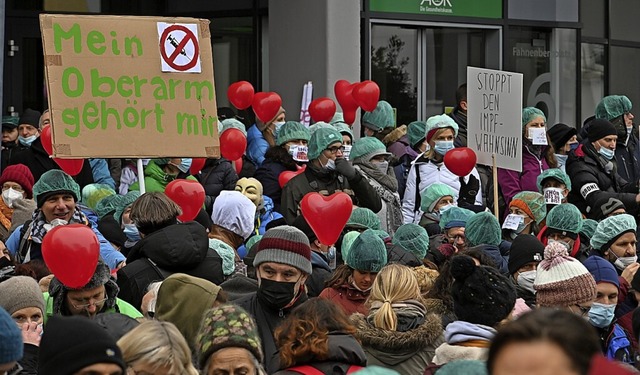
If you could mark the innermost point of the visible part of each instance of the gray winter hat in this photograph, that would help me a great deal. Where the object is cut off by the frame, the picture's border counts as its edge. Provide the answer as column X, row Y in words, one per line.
column 286, row 245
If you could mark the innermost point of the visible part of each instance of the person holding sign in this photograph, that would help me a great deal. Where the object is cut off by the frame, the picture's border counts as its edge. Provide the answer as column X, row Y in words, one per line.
column 593, row 171
column 429, row 168
column 537, row 156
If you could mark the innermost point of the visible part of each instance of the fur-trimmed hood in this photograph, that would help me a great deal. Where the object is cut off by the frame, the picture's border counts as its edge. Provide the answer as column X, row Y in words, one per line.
column 394, row 347
column 395, row 135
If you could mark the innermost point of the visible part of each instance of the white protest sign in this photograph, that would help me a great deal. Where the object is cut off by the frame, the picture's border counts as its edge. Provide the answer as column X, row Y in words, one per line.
column 553, row 195
column 512, row 221
column 307, row 95
column 538, row 136
column 346, row 152
column 494, row 100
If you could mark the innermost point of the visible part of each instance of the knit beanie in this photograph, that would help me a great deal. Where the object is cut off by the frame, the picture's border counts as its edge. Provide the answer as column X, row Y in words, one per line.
column 19, row 292
column 70, row 344
column 367, row 253
column 604, row 206
column 600, row 128
column 610, row 229
column 227, row 326
column 483, row 228
column 562, row 280
column 30, row 117
column 481, row 295
column 560, row 134
column 525, row 248
column 54, row 182
column 20, row 174
column 182, row 299
column 464, row 367
column 602, row 270
column 412, row 238
column 532, row 203
column 363, row 218
column 565, row 219
column 11, row 347
column 286, row 245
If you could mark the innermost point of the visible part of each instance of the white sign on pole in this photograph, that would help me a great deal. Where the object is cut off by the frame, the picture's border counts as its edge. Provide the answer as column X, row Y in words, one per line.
column 307, row 95
column 494, row 116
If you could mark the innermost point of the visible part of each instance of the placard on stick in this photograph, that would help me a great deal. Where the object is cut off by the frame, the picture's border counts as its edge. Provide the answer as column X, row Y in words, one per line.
column 130, row 87
column 494, row 115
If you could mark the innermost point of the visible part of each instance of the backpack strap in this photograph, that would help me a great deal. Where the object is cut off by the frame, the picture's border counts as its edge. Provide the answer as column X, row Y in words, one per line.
column 24, row 249
column 306, row 370
column 418, row 199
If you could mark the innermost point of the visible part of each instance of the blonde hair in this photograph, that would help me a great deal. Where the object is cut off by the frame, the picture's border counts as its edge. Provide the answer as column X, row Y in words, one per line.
column 431, row 153
column 394, row 283
column 158, row 344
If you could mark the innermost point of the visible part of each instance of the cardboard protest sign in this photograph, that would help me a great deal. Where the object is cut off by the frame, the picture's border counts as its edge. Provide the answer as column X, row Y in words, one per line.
column 494, row 116
column 130, row 86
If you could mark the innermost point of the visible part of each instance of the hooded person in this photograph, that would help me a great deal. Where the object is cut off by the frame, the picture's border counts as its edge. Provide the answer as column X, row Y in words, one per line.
column 56, row 195
column 564, row 222
column 429, row 168
column 323, row 259
column 614, row 239
column 370, row 157
column 327, row 173
column 528, row 209
column 483, row 231
column 525, row 255
column 617, row 110
column 263, row 135
column 288, row 154
column 265, row 213
column 17, row 195
column 564, row 139
column 166, row 247
column 283, row 264
column 416, row 132
column 99, row 295
column 593, row 171
column 482, row 298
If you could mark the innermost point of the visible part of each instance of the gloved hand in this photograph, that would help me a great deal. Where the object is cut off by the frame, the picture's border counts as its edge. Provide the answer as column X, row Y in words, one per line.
column 345, row 168
column 468, row 191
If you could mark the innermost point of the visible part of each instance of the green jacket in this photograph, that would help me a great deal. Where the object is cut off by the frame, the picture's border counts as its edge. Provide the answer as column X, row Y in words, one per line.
column 155, row 179
column 123, row 308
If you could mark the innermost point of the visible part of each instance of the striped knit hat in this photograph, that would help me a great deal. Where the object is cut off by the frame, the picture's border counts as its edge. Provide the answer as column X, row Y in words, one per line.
column 562, row 280
column 287, row 245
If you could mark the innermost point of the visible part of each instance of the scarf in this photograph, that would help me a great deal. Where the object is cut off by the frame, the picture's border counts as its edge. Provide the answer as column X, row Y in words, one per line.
column 388, row 180
column 39, row 230
column 58, row 292
column 410, row 314
column 5, row 214
column 459, row 332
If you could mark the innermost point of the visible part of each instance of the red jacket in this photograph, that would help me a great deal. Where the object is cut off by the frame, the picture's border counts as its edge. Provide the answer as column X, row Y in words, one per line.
column 349, row 298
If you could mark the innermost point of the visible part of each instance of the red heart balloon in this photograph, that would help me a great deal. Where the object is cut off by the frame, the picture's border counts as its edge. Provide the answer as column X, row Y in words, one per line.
column 71, row 166
column 288, row 175
column 45, row 139
column 187, row 194
column 367, row 94
column 237, row 164
column 344, row 94
column 240, row 94
column 71, row 252
column 196, row 165
column 322, row 109
column 460, row 161
column 327, row 216
column 266, row 105
column 233, row 144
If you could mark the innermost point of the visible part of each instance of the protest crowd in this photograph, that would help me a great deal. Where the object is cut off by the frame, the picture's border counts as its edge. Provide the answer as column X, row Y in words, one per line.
column 421, row 278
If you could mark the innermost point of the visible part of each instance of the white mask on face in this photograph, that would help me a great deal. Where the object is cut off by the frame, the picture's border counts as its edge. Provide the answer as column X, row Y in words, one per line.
column 526, row 279
column 383, row 166
column 9, row 196
column 623, row 262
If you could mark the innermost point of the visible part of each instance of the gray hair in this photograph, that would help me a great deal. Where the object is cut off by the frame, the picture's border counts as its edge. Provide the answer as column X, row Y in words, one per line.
column 259, row 369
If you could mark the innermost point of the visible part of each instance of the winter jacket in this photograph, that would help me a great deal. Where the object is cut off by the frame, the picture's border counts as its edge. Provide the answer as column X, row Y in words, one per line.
column 348, row 297
column 402, row 171
column 257, row 146
column 628, row 165
column 616, row 343
column 461, row 119
column 267, row 215
column 464, row 340
column 8, row 149
column 590, row 180
column 268, row 175
column 326, row 182
column 396, row 254
column 499, row 255
column 267, row 320
column 217, row 175
column 390, row 214
column 406, row 352
column 182, row 248
column 101, row 173
column 428, row 172
column 248, row 168
column 28, row 365
column 155, row 179
column 345, row 354
column 121, row 307
column 321, row 272
column 513, row 182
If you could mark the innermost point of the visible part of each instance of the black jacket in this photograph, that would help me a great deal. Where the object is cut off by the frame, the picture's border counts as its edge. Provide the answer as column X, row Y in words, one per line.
column 8, row 149
column 590, row 181
column 217, row 175
column 277, row 160
column 321, row 272
column 396, row 254
column 627, row 162
column 177, row 248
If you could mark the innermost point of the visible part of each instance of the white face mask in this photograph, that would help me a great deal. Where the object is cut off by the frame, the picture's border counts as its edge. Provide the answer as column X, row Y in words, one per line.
column 9, row 196
column 553, row 195
column 444, row 208
column 623, row 262
column 526, row 279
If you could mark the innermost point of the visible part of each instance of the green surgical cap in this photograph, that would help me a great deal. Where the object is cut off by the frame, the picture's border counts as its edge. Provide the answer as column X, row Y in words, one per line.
column 588, row 227
column 455, row 217
column 321, row 139
column 106, row 205
column 124, row 202
column 610, row 229
column 363, row 218
column 534, row 201
column 319, row 125
column 380, row 118
column 416, row 132
column 55, row 181
column 466, row 367
column 483, row 229
column 431, row 195
column 565, row 217
column 531, row 113
column 232, row 123
column 556, row 174
column 439, row 122
column 344, row 129
column 92, row 194
column 367, row 253
column 347, row 241
column 366, row 148
column 291, row 131
column 252, row 241
column 412, row 238
column 613, row 106
column 13, row 120
column 382, row 234
column 337, row 117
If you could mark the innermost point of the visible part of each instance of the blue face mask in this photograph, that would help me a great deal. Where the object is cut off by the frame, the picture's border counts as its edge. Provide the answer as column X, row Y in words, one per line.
column 443, row 146
column 574, row 146
column 27, row 141
column 601, row 315
column 131, row 231
column 278, row 126
column 562, row 159
column 608, row 154
column 185, row 165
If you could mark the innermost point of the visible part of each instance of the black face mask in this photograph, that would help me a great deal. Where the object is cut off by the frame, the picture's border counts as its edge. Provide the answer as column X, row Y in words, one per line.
column 276, row 294
column 5, row 262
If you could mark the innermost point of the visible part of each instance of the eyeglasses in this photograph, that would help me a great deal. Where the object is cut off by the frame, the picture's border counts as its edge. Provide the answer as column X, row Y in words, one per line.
column 86, row 305
column 335, row 149
column 457, row 237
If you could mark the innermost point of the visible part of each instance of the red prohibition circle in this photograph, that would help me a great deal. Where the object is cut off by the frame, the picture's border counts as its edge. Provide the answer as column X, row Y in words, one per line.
column 170, row 60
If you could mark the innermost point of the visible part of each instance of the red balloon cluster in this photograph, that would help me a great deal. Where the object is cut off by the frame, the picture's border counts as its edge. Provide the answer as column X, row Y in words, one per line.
column 71, row 252
column 70, row 166
column 353, row 95
column 460, row 161
column 327, row 215
column 189, row 195
column 322, row 109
